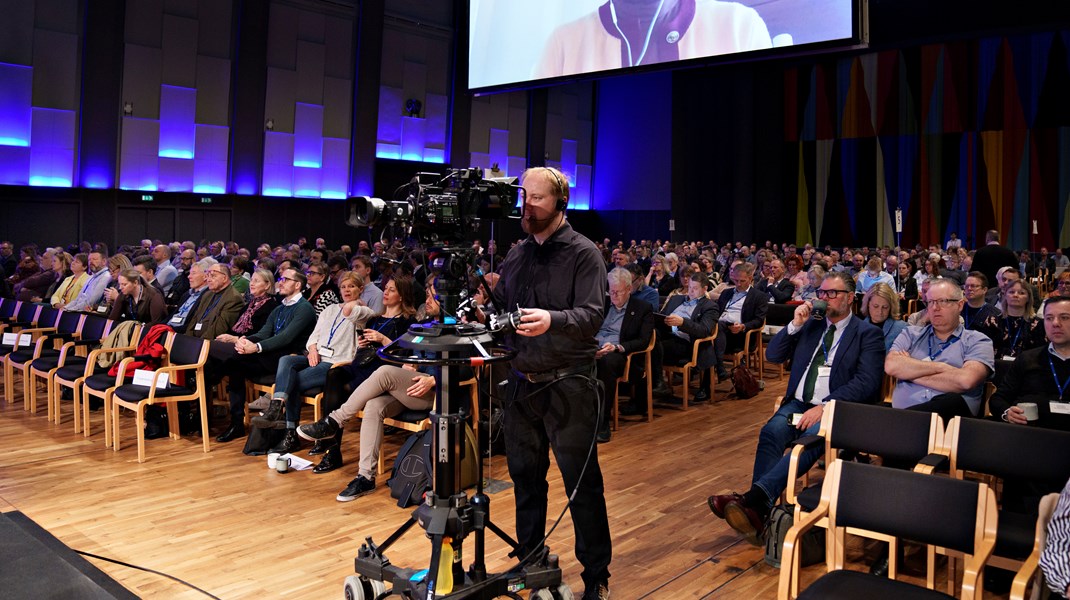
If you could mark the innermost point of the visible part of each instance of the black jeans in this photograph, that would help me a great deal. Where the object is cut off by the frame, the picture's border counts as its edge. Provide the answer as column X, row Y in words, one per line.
column 563, row 417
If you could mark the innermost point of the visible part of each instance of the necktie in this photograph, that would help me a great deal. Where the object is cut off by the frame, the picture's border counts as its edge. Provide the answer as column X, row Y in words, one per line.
column 818, row 360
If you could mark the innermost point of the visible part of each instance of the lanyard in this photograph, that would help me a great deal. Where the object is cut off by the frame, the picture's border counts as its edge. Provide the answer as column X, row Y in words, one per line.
column 829, row 351
column 338, row 320
column 1018, row 333
column 1060, row 386
column 284, row 317
column 384, row 324
column 211, row 305
column 943, row 345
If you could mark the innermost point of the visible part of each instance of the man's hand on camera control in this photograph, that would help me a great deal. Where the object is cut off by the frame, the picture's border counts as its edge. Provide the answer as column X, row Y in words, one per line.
column 535, row 321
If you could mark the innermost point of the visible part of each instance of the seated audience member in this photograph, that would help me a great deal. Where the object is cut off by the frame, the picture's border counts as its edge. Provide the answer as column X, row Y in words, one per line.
column 387, row 392
column 320, row 292
column 837, row 358
column 1062, row 287
column 814, row 276
column 261, row 303
column 163, row 271
column 880, row 306
column 68, row 289
column 1026, row 267
column 740, row 309
column 796, row 274
column 658, row 276
column 36, row 285
column 690, row 317
column 906, row 284
column 1005, row 276
column 930, row 269
column 627, row 327
column 1039, row 375
column 8, row 261
column 1055, row 559
column 872, row 275
column 336, row 267
column 640, row 289
column 398, row 314
column 921, row 316
column 372, row 295
column 976, row 311
column 146, row 268
column 239, row 278
column 93, row 290
column 332, row 341
column 285, row 332
column 218, row 310
column 779, row 288
column 198, row 282
column 136, row 301
column 675, row 272
column 941, row 367
column 1017, row 328
column 180, row 284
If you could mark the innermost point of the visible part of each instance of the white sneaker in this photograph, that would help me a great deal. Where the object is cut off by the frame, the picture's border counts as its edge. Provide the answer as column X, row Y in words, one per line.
column 260, row 403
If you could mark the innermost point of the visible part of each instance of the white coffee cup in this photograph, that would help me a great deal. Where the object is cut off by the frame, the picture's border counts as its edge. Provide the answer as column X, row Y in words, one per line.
column 272, row 458
column 1030, row 411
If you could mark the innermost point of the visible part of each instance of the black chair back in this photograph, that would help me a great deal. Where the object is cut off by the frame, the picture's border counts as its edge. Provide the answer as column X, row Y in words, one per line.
column 923, row 508
column 94, row 326
column 7, row 308
column 68, row 322
column 185, row 350
column 892, row 433
column 1007, row 450
column 27, row 312
column 48, row 317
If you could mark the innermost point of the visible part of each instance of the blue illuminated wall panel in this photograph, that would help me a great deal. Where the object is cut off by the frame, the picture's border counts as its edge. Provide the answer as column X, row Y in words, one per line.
column 308, row 136
column 278, row 164
column 52, row 152
column 569, row 134
column 15, row 165
column 498, row 132
column 178, row 107
column 210, row 162
column 16, row 100
column 335, row 177
column 414, row 67
column 139, row 163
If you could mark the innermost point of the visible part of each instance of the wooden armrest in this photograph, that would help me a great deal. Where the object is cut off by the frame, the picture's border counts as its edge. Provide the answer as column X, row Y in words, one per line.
column 803, row 444
column 932, row 463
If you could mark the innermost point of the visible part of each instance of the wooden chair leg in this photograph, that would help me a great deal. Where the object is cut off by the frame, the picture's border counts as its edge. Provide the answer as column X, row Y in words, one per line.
column 140, row 432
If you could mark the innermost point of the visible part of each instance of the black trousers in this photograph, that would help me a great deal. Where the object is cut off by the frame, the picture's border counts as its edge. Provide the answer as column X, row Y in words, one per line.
column 948, row 406
column 562, row 417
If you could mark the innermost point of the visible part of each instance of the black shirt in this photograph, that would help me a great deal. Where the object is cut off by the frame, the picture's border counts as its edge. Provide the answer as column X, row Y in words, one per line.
column 566, row 276
column 1030, row 379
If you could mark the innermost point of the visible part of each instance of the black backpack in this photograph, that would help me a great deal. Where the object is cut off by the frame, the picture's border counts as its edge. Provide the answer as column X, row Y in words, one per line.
column 812, row 543
column 411, row 475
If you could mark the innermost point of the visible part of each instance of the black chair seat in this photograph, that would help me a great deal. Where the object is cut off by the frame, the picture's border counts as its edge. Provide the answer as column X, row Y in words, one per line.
column 411, row 416
column 312, row 391
column 268, row 379
column 100, row 382
column 49, row 361
column 855, row 584
column 1015, row 536
column 5, row 350
column 809, row 498
column 136, row 393
column 23, row 356
column 72, row 370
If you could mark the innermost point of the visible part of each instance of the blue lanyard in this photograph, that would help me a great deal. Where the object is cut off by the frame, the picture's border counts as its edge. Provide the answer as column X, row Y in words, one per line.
column 384, row 324
column 1018, row 334
column 943, row 345
column 338, row 320
column 829, row 351
column 1060, row 386
column 211, row 305
column 284, row 317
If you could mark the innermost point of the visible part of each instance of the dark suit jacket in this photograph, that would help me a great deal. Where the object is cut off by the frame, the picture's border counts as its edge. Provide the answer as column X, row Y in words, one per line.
column 637, row 325
column 780, row 293
column 858, row 366
column 754, row 310
column 701, row 324
column 224, row 313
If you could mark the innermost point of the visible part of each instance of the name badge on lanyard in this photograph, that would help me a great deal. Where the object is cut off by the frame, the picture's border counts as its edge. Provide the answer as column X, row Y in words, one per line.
column 1060, row 408
column 326, row 352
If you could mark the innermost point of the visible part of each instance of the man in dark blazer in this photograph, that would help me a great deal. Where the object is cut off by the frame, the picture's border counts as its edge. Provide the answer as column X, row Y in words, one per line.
column 690, row 317
column 627, row 327
column 740, row 309
column 840, row 357
column 779, row 288
column 219, row 309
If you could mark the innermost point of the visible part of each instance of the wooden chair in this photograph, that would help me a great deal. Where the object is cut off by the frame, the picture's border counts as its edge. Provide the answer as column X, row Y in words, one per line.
column 185, row 355
column 254, row 387
column 1002, row 450
column 643, row 355
column 1029, row 573
column 891, row 504
column 752, row 352
column 19, row 359
column 416, row 421
column 93, row 381
column 66, row 328
column 94, row 328
column 685, row 369
column 23, row 317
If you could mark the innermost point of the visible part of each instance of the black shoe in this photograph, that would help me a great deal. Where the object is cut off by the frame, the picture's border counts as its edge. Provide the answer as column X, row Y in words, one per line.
column 290, row 443
column 597, row 592
column 320, row 447
column 270, row 417
column 722, row 375
column 331, row 460
column 155, row 431
column 236, row 430
column 604, row 434
column 880, row 566
column 356, row 488
column 320, row 430
column 661, row 390
column 702, row 396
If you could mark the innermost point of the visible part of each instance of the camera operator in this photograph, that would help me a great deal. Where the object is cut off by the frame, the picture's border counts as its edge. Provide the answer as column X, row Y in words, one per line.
column 558, row 279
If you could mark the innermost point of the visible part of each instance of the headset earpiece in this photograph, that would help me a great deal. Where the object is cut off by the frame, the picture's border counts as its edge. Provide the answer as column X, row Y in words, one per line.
column 562, row 203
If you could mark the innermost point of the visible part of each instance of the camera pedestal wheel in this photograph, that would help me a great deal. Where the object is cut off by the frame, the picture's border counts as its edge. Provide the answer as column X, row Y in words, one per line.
column 362, row 588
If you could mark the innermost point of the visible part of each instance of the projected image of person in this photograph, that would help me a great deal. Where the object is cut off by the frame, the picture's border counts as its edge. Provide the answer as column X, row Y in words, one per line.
column 631, row 33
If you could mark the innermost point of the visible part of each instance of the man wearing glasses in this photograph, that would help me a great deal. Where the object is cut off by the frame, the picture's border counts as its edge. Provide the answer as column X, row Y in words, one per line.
column 976, row 310
column 941, row 367
column 837, row 357
column 219, row 308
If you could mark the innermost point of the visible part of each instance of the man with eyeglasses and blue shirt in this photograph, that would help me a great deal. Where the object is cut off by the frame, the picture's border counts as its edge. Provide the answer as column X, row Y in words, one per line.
column 941, row 367
column 834, row 357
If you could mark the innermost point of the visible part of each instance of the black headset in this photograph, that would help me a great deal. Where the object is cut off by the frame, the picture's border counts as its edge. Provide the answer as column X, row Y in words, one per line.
column 562, row 203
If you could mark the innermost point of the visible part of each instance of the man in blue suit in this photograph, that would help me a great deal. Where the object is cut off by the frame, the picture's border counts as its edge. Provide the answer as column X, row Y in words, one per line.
column 840, row 357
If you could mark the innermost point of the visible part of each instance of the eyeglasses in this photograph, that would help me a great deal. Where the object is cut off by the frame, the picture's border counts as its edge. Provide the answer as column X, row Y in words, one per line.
column 281, row 279
column 310, row 272
column 969, row 286
column 943, row 302
column 827, row 294
column 1064, row 284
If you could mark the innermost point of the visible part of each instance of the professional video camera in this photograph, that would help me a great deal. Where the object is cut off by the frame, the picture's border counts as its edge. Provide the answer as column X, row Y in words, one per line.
column 440, row 210
column 444, row 213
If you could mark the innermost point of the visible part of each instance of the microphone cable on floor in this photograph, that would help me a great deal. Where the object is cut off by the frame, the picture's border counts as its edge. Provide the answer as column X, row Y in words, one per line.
column 146, row 569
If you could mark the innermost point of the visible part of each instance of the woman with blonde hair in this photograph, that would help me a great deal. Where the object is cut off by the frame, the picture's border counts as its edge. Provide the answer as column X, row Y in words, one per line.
column 880, row 306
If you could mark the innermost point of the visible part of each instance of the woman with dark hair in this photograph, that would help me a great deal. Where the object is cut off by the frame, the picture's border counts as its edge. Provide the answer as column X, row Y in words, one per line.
column 70, row 287
column 136, row 301
column 321, row 291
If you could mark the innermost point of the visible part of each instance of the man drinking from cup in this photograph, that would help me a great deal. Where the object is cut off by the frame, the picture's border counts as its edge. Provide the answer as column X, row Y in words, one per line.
column 837, row 357
column 1036, row 389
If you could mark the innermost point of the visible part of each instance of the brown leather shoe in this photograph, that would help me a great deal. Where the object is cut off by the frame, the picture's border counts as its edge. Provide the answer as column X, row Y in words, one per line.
column 746, row 521
column 717, row 504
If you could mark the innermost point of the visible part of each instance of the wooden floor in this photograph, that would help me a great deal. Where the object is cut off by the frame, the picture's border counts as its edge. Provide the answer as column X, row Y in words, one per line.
column 224, row 522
